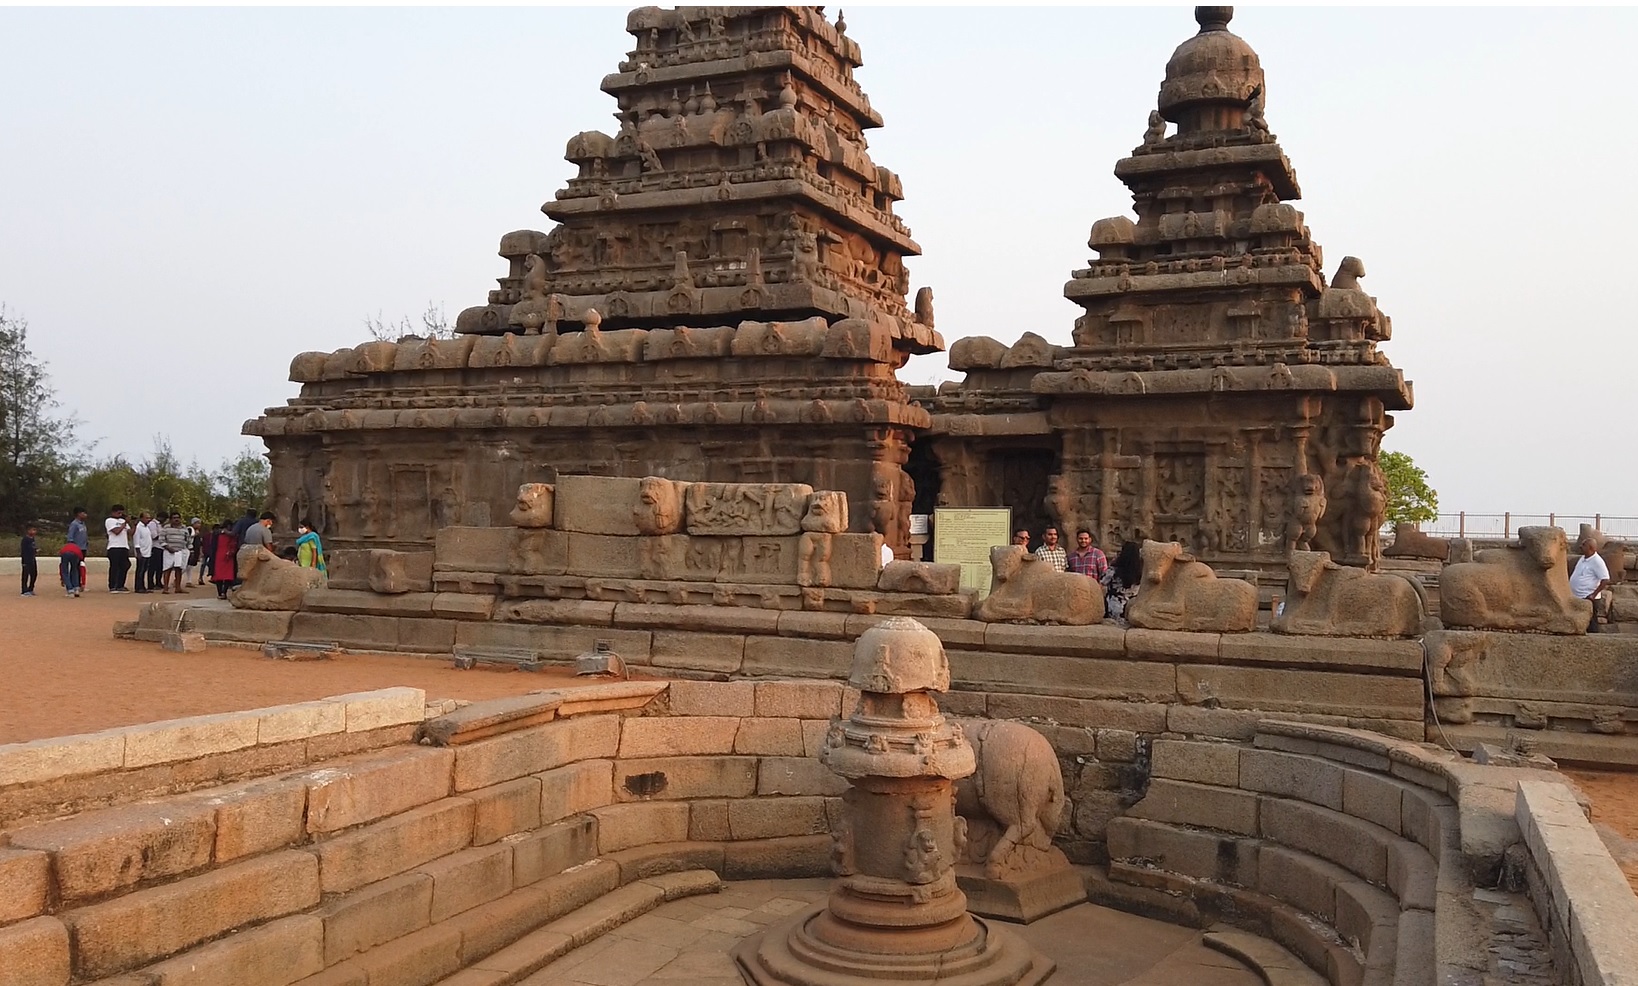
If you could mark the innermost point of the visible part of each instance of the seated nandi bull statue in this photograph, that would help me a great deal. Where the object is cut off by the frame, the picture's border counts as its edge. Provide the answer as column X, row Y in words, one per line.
column 1410, row 542
column 1324, row 599
column 1023, row 587
column 1180, row 593
column 1522, row 587
column 271, row 582
column 1013, row 802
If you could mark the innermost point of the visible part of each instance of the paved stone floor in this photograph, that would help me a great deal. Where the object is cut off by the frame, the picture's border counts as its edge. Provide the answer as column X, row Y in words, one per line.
column 686, row 943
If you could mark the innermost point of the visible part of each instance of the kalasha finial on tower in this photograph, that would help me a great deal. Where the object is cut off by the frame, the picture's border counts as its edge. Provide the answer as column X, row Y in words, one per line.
column 1213, row 18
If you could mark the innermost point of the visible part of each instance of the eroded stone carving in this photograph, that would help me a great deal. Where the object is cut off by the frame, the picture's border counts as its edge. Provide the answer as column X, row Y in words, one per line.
column 1025, row 588
column 271, row 582
column 1410, row 542
column 1013, row 802
column 826, row 512
column 746, row 508
column 1519, row 587
column 1307, row 507
column 1325, row 599
column 659, row 508
column 1181, row 593
column 534, row 506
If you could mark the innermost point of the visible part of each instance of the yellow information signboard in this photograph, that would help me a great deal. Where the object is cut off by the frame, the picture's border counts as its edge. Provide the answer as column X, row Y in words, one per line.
column 964, row 536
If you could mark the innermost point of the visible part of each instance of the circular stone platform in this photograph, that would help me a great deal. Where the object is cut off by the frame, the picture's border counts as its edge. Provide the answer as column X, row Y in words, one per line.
column 689, row 941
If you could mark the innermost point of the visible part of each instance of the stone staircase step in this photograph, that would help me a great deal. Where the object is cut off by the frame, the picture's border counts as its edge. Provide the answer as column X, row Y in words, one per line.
column 1273, row 963
column 539, row 948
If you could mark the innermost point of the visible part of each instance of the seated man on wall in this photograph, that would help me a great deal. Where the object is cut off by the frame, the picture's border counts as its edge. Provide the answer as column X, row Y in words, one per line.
column 1591, row 581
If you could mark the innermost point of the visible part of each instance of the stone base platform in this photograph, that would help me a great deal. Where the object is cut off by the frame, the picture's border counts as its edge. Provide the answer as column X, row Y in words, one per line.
column 690, row 940
column 1022, row 900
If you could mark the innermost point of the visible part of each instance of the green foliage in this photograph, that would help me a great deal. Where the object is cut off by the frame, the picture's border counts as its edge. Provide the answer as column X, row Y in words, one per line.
column 36, row 442
column 162, row 484
column 1411, row 499
column 44, row 475
column 244, row 482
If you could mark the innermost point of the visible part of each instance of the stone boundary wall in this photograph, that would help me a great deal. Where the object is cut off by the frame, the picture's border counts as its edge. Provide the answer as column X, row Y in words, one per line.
column 1579, row 893
column 404, row 864
column 67, row 774
column 1357, row 852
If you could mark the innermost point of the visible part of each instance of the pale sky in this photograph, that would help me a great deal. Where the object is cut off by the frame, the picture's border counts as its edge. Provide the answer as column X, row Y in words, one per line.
column 190, row 197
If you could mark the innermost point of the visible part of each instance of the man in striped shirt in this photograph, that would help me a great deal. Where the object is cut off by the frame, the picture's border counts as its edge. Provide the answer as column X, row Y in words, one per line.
column 1087, row 559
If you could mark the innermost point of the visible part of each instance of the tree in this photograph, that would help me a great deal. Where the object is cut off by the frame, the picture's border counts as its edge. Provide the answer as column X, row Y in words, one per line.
column 434, row 325
column 243, row 481
column 36, row 443
column 1410, row 498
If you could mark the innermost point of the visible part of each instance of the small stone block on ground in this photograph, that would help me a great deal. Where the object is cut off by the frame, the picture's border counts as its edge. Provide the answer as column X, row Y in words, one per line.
column 189, row 642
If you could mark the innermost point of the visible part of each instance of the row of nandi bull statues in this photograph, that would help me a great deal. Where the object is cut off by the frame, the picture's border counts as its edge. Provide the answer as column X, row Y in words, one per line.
column 793, row 535
column 1521, row 587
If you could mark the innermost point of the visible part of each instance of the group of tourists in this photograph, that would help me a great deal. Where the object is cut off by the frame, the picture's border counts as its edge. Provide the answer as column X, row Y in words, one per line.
column 1120, row 578
column 166, row 553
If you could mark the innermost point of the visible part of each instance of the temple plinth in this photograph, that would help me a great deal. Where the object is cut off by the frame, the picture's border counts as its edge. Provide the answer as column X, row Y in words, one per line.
column 895, row 912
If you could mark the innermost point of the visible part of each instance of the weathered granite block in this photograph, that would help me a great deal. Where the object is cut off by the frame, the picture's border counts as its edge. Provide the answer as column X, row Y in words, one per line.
column 472, row 549
column 597, row 504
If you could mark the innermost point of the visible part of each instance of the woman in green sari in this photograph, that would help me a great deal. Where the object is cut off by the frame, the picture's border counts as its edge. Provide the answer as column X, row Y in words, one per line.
column 309, row 550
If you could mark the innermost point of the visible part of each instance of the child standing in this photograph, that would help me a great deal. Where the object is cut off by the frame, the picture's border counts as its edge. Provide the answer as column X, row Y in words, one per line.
column 31, row 567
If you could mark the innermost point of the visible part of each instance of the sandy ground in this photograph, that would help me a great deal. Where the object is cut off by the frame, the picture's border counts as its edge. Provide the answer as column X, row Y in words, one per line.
column 63, row 672
column 1615, row 814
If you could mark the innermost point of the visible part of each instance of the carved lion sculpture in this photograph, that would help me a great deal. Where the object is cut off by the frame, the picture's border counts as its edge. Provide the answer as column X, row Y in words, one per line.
column 1180, row 593
column 1523, row 587
column 659, row 508
column 1307, row 507
column 1013, row 802
column 1324, row 599
column 271, row 582
column 1410, row 542
column 535, row 505
column 1367, row 505
column 1023, row 587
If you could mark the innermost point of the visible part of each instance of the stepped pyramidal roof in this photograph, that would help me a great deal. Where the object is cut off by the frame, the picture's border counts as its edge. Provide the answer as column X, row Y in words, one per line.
column 739, row 185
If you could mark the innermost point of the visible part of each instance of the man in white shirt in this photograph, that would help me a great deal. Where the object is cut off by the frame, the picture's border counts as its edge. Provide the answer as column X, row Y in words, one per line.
column 119, row 548
column 1591, row 580
column 142, row 539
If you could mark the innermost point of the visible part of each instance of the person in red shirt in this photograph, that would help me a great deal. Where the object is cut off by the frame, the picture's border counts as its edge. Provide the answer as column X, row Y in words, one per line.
column 1086, row 559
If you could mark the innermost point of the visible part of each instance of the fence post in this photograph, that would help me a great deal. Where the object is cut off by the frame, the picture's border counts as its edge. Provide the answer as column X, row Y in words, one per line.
column 1507, row 525
column 1598, row 522
column 1461, row 524
column 1552, row 520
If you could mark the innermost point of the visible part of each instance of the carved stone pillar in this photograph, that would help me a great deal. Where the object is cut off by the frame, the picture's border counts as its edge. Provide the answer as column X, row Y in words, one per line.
column 896, row 913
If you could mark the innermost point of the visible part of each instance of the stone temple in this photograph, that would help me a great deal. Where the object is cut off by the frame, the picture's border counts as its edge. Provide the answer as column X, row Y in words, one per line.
column 723, row 299
column 827, row 768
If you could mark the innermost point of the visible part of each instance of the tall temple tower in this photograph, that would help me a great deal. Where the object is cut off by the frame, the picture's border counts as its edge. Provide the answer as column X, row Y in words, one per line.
column 722, row 298
column 1218, row 392
column 738, row 186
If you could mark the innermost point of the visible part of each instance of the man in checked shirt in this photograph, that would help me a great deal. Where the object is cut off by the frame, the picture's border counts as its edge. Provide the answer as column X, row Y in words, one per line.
column 1050, row 551
column 1086, row 559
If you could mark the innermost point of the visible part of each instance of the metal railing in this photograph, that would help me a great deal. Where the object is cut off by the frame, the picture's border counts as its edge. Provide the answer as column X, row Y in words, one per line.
column 1504, row 526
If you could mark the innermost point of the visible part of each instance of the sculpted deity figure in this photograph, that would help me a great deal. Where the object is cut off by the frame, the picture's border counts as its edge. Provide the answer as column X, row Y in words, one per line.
column 1156, row 131
column 1367, row 500
column 1255, row 120
column 924, row 306
column 1307, row 507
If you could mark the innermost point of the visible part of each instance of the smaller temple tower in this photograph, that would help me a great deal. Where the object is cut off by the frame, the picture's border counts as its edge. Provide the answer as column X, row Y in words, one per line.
column 1218, row 392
